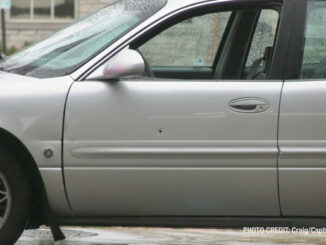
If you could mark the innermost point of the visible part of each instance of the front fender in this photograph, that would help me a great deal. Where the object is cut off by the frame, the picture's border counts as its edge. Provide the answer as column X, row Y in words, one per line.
column 32, row 110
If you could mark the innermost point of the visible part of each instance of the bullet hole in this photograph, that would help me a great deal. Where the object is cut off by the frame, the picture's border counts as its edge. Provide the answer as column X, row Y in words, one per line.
column 160, row 131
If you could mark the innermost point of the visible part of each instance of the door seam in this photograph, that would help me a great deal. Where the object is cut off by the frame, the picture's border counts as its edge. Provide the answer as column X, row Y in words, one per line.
column 278, row 148
column 62, row 150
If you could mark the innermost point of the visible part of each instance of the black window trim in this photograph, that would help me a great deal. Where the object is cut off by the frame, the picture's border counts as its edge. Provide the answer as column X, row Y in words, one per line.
column 288, row 50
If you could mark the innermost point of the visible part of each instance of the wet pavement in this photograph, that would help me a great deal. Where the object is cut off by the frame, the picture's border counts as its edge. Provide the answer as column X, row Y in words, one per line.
column 165, row 236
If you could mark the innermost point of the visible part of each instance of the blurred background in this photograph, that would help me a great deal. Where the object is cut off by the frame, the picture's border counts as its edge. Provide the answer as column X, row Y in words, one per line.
column 29, row 21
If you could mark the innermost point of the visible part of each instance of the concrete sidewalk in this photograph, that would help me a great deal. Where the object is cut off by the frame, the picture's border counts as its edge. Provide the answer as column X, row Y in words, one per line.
column 165, row 236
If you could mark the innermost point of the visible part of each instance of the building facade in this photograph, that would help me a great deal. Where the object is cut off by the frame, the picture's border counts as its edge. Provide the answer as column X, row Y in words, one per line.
column 29, row 21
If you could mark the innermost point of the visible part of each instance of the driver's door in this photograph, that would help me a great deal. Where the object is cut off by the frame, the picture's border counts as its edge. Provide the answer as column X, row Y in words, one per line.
column 174, row 147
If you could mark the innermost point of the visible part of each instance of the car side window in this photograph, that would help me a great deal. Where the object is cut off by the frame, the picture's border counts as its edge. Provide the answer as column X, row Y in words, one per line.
column 229, row 45
column 314, row 58
column 264, row 35
column 193, row 42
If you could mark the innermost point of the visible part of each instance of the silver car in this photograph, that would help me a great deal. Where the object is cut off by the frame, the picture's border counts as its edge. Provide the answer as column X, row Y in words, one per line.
column 168, row 113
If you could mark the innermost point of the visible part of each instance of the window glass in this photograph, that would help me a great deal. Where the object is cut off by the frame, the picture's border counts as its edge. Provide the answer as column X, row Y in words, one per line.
column 193, row 42
column 264, row 35
column 42, row 9
column 68, row 49
column 64, row 9
column 20, row 9
column 314, row 59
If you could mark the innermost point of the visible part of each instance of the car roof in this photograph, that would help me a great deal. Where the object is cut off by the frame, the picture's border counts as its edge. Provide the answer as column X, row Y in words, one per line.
column 202, row 1
column 176, row 4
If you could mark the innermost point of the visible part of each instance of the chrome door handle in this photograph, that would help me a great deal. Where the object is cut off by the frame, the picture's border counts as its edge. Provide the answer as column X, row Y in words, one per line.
column 248, row 105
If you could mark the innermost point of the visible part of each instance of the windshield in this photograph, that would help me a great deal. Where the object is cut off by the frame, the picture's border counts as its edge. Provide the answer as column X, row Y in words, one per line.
column 68, row 49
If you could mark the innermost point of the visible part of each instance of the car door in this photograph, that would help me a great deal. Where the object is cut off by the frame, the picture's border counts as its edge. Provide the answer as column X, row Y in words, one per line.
column 303, row 117
column 177, row 146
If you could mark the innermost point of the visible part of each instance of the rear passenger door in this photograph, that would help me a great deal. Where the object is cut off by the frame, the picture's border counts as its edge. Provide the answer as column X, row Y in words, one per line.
column 302, row 133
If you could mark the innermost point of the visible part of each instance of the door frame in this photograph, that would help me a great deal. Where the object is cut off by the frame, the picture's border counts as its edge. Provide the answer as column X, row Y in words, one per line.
column 288, row 54
column 155, row 24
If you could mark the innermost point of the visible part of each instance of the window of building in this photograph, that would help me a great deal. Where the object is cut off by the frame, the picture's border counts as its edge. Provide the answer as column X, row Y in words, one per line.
column 42, row 9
